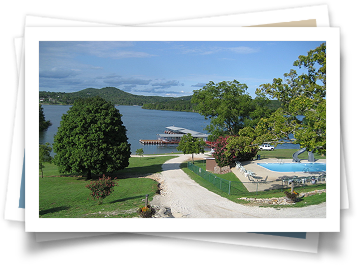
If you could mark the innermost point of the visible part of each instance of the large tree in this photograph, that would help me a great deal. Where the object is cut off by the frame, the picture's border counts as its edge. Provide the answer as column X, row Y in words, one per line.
column 305, row 95
column 227, row 104
column 229, row 107
column 91, row 139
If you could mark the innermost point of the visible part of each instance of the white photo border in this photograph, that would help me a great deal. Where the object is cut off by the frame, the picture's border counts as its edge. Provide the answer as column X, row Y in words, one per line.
column 33, row 35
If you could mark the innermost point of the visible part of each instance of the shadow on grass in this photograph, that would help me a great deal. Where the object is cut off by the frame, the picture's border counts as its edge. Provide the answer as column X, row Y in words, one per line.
column 54, row 210
column 147, row 166
column 128, row 198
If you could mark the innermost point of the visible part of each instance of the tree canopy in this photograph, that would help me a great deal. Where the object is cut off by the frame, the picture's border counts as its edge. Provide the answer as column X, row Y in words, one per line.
column 305, row 95
column 91, row 139
column 229, row 107
column 44, row 155
column 239, row 123
column 42, row 121
column 191, row 145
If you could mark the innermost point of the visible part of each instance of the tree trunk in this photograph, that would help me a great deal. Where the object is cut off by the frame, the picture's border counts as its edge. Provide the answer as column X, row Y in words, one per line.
column 89, row 174
column 192, row 159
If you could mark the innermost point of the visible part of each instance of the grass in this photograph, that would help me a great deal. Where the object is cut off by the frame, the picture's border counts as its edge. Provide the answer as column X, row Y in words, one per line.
column 65, row 196
column 137, row 167
column 143, row 166
column 286, row 154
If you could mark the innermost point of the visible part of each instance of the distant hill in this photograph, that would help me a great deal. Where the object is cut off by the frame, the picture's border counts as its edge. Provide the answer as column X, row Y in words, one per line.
column 184, row 104
column 179, row 104
column 112, row 94
column 120, row 97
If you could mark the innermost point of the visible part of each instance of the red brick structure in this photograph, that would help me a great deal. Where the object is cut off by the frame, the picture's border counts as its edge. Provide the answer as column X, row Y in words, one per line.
column 212, row 166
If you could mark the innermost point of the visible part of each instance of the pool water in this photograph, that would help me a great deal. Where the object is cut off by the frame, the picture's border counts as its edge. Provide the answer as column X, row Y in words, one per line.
column 294, row 167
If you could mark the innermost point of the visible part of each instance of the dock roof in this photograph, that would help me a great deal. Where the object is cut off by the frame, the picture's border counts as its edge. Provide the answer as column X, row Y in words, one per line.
column 179, row 135
column 181, row 130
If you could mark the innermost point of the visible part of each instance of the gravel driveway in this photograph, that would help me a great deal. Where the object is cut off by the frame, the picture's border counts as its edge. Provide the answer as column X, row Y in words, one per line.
column 185, row 198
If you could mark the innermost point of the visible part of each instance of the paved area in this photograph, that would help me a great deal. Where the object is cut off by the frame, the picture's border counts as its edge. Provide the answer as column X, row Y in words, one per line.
column 273, row 178
column 186, row 199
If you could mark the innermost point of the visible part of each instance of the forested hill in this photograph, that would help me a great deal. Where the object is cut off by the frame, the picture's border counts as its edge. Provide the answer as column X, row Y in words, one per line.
column 184, row 104
column 179, row 104
column 112, row 94
column 120, row 97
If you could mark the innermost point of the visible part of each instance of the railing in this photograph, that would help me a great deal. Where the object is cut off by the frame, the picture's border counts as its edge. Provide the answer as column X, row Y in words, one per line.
column 222, row 184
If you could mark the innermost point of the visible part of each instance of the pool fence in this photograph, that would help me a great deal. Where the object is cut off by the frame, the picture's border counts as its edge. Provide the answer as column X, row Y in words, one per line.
column 242, row 188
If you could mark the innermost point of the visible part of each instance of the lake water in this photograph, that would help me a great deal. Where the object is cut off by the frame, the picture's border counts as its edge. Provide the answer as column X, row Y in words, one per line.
column 141, row 124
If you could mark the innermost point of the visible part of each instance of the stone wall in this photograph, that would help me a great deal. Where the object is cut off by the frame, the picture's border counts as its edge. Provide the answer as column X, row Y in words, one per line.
column 281, row 200
column 221, row 170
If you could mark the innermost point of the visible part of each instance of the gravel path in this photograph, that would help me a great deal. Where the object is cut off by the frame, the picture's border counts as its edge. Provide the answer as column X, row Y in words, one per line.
column 185, row 198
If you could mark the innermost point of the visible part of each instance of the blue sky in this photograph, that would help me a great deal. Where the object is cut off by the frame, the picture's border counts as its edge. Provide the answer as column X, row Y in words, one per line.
column 164, row 68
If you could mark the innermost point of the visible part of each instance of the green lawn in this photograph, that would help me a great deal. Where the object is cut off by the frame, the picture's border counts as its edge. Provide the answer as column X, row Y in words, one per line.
column 286, row 154
column 67, row 197
column 137, row 166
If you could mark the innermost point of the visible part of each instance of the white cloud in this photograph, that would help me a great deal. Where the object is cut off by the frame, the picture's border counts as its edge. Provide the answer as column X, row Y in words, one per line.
column 58, row 73
column 199, row 85
column 166, row 84
column 243, row 50
column 208, row 50
column 128, row 54
column 117, row 80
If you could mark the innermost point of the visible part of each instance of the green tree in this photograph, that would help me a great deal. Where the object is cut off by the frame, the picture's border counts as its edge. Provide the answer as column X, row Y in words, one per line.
column 42, row 121
column 191, row 145
column 227, row 104
column 139, row 152
column 91, row 139
column 44, row 155
column 303, row 94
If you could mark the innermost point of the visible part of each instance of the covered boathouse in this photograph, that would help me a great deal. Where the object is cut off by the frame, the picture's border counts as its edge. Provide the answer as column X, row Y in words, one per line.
column 173, row 135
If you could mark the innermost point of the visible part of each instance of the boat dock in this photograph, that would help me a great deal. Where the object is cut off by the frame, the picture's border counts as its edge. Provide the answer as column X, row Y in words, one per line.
column 159, row 141
column 173, row 135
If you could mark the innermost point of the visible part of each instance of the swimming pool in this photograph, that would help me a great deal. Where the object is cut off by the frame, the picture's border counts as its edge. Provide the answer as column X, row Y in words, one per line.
column 294, row 167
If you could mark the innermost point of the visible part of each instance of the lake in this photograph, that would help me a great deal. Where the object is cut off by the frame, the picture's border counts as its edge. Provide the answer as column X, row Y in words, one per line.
column 140, row 124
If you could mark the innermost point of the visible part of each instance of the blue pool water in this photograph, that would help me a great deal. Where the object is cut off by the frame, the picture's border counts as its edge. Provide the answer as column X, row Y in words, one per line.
column 294, row 167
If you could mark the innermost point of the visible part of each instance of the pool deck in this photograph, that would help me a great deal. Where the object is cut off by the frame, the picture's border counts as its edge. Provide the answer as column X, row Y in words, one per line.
column 274, row 178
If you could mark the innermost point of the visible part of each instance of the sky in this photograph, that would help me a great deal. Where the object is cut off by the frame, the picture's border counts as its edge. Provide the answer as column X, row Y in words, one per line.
column 158, row 68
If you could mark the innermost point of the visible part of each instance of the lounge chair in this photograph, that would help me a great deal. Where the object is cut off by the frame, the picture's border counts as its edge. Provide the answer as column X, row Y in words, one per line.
column 250, row 178
column 264, row 179
column 251, row 173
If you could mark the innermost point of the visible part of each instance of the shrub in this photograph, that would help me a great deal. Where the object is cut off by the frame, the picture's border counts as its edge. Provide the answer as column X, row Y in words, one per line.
column 101, row 188
column 220, row 152
column 229, row 149
column 146, row 211
column 294, row 196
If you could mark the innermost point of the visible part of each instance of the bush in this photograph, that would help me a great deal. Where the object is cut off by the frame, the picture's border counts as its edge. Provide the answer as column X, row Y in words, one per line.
column 220, row 155
column 101, row 188
column 229, row 149
column 294, row 196
column 146, row 211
